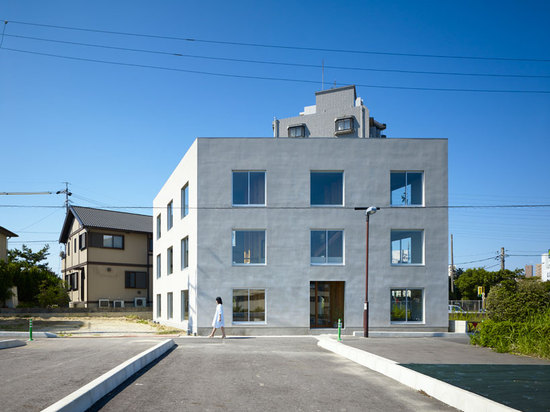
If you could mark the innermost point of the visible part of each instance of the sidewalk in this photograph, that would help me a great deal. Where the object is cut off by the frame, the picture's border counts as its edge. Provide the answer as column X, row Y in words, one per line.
column 520, row 382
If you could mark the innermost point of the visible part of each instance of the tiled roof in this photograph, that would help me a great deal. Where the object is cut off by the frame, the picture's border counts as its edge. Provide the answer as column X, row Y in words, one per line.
column 106, row 219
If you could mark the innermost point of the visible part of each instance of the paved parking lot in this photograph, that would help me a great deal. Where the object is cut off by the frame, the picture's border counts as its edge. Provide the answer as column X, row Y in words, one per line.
column 45, row 370
column 254, row 374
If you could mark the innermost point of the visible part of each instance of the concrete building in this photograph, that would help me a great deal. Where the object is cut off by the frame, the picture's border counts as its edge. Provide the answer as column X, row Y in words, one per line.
column 107, row 258
column 545, row 267
column 538, row 270
column 528, row 271
column 269, row 225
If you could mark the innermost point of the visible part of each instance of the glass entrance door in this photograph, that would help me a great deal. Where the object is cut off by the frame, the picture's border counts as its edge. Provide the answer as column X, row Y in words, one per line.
column 326, row 304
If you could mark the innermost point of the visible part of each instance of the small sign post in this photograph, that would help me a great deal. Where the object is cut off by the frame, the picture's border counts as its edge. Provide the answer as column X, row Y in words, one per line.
column 30, row 330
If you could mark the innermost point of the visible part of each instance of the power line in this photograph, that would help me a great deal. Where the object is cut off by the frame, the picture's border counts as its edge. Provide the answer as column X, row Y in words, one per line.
column 278, row 46
column 316, row 66
column 525, row 206
column 240, row 76
column 475, row 261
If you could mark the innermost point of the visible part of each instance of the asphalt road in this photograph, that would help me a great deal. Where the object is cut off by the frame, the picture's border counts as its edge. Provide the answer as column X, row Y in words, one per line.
column 255, row 374
column 46, row 370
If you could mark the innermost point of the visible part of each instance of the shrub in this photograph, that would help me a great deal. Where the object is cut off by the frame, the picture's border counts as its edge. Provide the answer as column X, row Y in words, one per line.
column 518, row 301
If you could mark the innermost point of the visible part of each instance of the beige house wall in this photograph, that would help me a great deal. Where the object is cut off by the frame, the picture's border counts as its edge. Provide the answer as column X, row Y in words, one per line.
column 105, row 268
column 3, row 247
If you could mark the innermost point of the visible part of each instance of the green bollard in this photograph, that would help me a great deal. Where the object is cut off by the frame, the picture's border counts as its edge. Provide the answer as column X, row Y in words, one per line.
column 339, row 330
column 30, row 330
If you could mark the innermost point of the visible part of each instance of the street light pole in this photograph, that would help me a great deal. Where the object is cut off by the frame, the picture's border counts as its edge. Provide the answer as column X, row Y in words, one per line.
column 368, row 211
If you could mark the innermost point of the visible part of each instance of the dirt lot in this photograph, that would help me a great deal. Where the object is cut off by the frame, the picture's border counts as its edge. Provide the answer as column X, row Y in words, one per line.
column 86, row 326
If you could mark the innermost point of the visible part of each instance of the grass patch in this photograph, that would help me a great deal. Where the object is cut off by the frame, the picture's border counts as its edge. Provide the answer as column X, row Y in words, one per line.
column 531, row 337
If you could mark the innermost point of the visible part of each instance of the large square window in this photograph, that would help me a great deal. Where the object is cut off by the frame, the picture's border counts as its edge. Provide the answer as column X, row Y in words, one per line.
column 407, row 247
column 248, row 305
column 327, row 188
column 327, row 247
column 248, row 247
column 407, row 305
column 406, row 188
column 249, row 188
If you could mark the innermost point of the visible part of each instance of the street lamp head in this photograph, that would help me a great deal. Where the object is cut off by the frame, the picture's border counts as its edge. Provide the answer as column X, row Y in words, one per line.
column 371, row 210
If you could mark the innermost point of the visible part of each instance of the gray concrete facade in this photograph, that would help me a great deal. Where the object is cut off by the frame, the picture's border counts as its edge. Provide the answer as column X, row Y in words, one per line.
column 288, row 219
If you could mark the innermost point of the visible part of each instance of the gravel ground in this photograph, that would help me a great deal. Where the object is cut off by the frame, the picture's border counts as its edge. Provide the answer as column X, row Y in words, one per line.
column 85, row 326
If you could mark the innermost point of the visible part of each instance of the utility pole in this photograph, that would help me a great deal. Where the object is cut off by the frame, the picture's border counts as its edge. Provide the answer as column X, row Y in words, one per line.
column 67, row 194
column 502, row 258
column 452, row 267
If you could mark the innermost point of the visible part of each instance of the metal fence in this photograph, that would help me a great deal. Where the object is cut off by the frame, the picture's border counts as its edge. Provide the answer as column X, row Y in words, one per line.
column 467, row 305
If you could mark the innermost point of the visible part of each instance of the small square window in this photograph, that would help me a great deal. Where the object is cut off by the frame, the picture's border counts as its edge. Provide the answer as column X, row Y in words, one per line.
column 248, row 188
column 327, row 247
column 407, row 247
column 297, row 131
column 406, row 188
column 249, row 305
column 327, row 188
column 407, row 305
column 344, row 125
column 248, row 247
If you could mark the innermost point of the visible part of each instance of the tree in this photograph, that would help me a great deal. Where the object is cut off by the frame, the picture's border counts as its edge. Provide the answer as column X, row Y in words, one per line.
column 36, row 283
column 468, row 282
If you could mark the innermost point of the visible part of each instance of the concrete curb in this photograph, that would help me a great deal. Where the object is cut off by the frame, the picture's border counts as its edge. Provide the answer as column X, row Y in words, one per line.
column 445, row 392
column 85, row 397
column 411, row 334
column 11, row 343
column 26, row 334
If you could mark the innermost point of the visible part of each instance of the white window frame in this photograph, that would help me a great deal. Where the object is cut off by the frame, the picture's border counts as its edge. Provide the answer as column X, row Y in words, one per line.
column 265, row 189
column 265, row 247
column 343, row 187
column 248, row 322
column 423, row 248
column 326, row 263
column 410, row 322
column 423, row 187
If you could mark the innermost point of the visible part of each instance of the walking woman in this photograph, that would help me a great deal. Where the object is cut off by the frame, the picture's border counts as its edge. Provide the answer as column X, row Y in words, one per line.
column 218, row 321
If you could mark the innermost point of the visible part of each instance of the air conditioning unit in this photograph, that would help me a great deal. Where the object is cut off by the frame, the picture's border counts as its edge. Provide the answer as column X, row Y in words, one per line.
column 118, row 303
column 140, row 302
column 103, row 303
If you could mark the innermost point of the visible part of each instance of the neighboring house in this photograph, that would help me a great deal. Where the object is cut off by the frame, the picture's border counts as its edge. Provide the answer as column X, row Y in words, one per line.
column 269, row 225
column 107, row 258
column 4, row 235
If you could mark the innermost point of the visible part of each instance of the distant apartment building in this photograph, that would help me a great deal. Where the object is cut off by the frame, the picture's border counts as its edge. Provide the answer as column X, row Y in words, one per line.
column 538, row 270
column 545, row 267
column 528, row 271
column 269, row 224
column 108, row 257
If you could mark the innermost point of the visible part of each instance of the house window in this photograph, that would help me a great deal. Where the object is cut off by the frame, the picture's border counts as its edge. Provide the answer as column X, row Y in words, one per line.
column 248, row 305
column 159, row 301
column 169, row 216
column 406, row 188
column 185, row 252
column 158, row 266
column 184, row 305
column 407, row 305
column 73, row 281
column 185, row 200
column 74, row 243
column 82, row 241
column 113, row 241
column 170, row 260
column 249, row 188
column 158, row 226
column 344, row 125
column 68, row 248
column 248, row 247
column 327, row 188
column 327, row 247
column 136, row 280
column 150, row 244
column 297, row 131
column 170, row 305
column 407, row 247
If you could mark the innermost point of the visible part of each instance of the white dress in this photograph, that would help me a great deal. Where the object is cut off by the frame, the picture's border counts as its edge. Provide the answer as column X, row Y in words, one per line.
column 216, row 322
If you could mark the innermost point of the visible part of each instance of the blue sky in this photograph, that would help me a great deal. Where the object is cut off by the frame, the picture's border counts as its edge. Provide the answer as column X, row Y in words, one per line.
column 115, row 132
